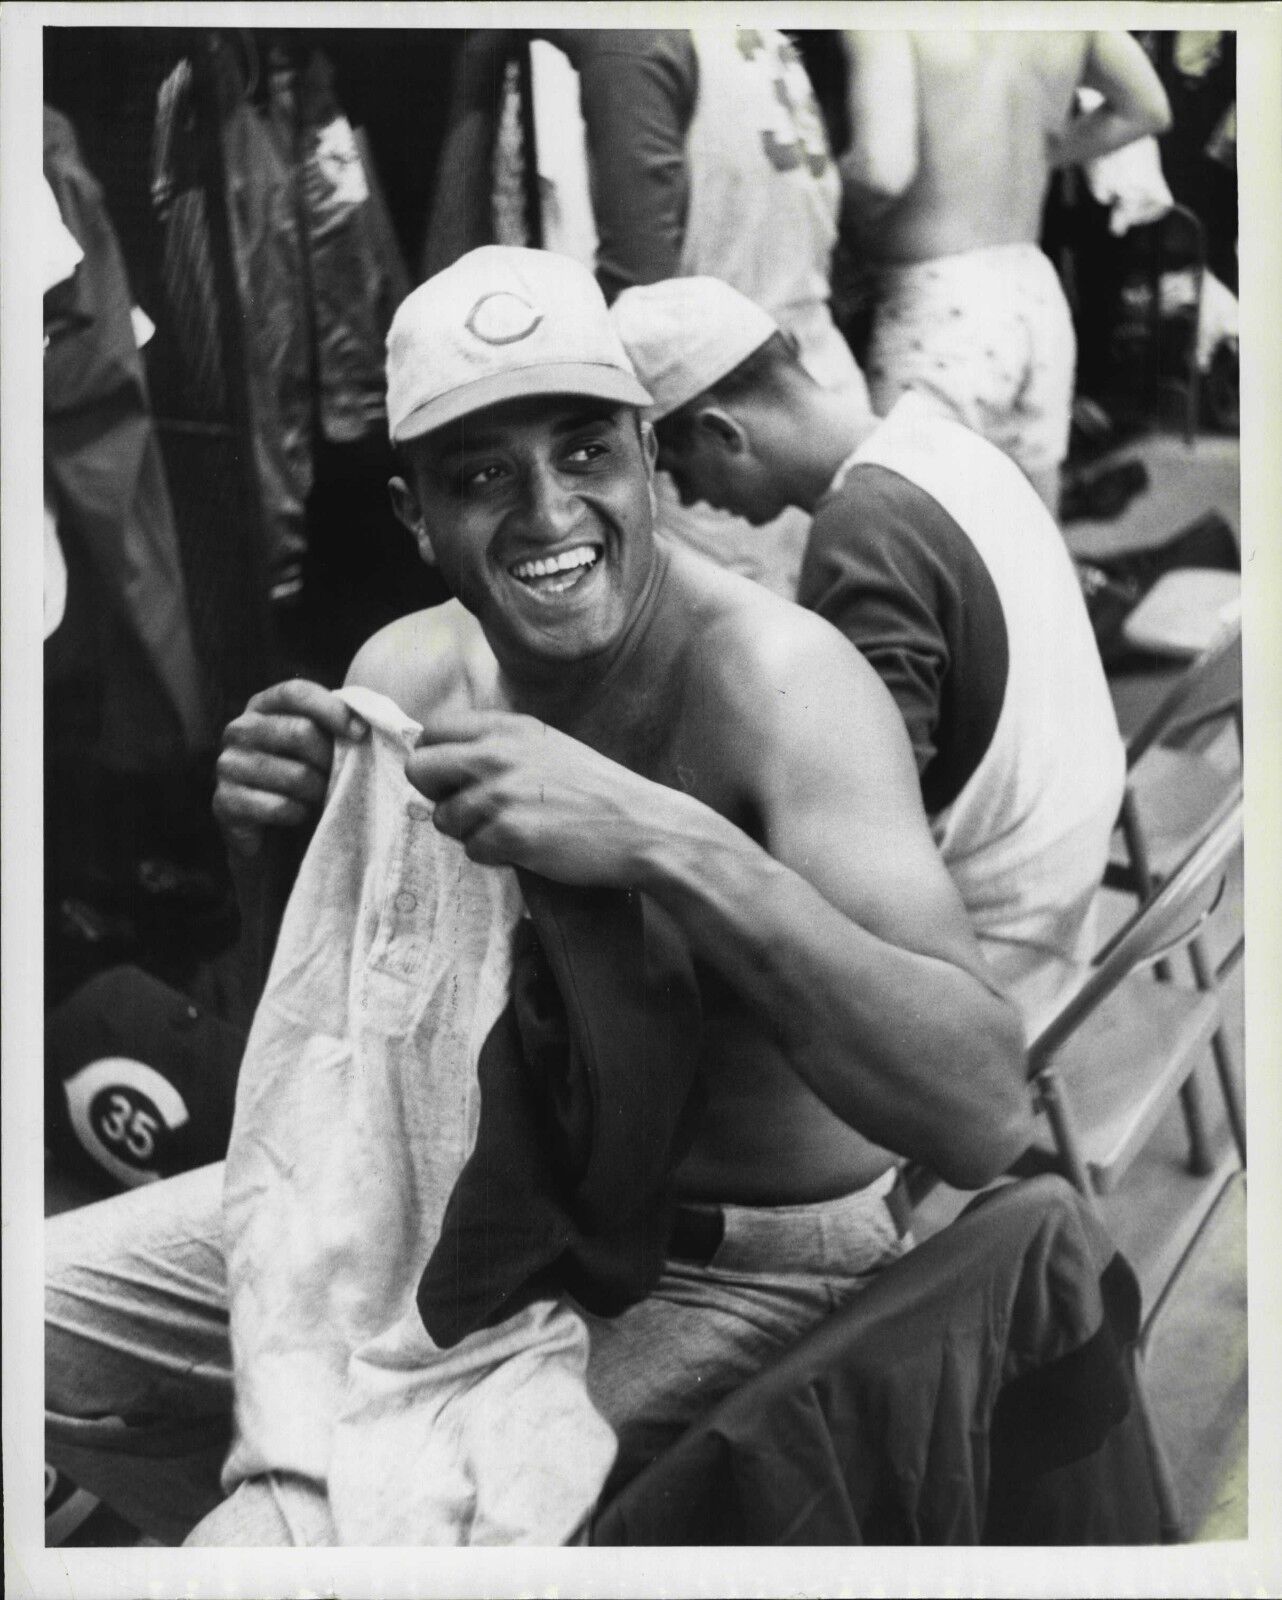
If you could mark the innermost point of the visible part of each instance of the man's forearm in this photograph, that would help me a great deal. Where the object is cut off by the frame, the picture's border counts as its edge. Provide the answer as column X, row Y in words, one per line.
column 1131, row 101
column 882, row 157
column 914, row 1052
column 1099, row 133
column 637, row 105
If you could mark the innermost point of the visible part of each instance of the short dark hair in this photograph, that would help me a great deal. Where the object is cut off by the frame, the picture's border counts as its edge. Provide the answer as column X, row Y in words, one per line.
column 764, row 368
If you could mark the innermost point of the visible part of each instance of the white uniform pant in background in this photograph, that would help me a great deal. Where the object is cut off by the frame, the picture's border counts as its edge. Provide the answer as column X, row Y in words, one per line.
column 987, row 335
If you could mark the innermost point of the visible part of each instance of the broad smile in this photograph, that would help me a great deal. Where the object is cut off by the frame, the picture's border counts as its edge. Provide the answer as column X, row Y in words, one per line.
column 556, row 574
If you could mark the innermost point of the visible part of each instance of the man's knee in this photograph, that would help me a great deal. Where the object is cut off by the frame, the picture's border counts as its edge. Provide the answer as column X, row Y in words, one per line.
column 71, row 1255
column 135, row 1308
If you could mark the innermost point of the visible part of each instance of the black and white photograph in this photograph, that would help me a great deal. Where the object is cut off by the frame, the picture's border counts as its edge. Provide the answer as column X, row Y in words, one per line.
column 630, row 750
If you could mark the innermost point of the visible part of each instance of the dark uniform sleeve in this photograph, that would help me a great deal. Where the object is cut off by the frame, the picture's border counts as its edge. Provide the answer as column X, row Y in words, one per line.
column 870, row 573
column 889, row 567
column 637, row 93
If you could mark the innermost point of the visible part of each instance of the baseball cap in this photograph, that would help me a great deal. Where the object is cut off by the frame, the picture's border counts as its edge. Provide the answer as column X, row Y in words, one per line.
column 685, row 333
column 499, row 324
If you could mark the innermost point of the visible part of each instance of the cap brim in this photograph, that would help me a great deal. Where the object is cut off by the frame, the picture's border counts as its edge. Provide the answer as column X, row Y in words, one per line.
column 711, row 368
column 595, row 382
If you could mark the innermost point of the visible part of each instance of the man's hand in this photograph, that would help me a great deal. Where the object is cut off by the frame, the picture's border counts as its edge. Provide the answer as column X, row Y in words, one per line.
column 276, row 758
column 515, row 792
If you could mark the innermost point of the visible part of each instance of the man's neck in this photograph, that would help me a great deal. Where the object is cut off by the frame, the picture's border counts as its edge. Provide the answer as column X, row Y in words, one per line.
column 818, row 441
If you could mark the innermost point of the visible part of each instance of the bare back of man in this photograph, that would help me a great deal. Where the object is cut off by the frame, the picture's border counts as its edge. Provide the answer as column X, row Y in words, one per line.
column 991, row 108
column 954, row 138
column 699, row 705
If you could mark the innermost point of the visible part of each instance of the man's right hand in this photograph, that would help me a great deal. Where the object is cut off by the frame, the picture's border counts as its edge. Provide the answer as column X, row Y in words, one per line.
column 275, row 762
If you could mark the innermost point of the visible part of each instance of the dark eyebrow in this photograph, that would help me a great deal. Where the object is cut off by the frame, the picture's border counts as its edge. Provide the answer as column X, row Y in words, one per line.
column 589, row 412
column 463, row 438
column 467, row 439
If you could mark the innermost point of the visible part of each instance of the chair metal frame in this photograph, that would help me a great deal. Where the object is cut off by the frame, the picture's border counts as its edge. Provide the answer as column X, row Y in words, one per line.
column 1178, row 712
column 1178, row 232
column 1171, row 919
column 1177, row 719
column 1172, row 915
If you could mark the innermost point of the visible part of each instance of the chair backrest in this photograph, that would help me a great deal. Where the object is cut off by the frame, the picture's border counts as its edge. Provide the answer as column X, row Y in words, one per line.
column 1209, row 689
column 1168, row 921
column 1179, row 244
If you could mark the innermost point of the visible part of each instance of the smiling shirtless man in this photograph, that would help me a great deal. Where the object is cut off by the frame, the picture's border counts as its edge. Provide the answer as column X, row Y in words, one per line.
column 602, row 710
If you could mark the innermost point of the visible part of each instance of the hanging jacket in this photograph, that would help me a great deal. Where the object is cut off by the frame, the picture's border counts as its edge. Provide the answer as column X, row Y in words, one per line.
column 317, row 270
column 353, row 271
column 104, row 471
column 980, row 1391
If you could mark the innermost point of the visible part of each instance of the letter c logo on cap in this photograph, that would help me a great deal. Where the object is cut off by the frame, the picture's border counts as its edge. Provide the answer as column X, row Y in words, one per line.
column 502, row 318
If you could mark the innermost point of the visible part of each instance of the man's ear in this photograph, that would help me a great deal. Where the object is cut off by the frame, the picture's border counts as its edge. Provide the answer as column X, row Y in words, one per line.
column 410, row 515
column 713, row 425
column 650, row 451
column 649, row 446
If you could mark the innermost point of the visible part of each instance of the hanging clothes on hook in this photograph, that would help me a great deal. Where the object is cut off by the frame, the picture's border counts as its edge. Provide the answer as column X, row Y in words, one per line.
column 124, row 662
column 315, row 263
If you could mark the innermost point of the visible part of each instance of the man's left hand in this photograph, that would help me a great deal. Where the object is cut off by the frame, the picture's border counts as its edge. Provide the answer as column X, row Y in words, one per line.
column 516, row 792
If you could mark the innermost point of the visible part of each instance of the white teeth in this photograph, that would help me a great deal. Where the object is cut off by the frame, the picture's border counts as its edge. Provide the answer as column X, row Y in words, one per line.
column 581, row 556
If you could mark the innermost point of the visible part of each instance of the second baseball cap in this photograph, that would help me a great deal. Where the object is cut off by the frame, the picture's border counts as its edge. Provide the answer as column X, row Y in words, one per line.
column 685, row 333
column 500, row 324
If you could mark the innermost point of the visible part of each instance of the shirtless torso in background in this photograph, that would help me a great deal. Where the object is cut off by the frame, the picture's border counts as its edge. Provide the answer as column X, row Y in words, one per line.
column 954, row 139
column 955, row 135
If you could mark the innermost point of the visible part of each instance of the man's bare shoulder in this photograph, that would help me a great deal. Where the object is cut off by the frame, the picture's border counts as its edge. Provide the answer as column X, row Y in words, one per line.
column 785, row 703
column 428, row 661
column 759, row 648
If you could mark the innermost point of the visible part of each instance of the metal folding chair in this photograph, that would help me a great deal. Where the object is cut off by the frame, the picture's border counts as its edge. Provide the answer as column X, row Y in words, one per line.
column 1123, row 1046
column 1120, row 1064
column 1161, row 266
column 1174, row 787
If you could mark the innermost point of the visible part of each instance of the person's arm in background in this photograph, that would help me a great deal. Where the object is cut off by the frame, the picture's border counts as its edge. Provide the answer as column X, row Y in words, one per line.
column 637, row 94
column 460, row 219
column 882, row 157
column 1134, row 102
